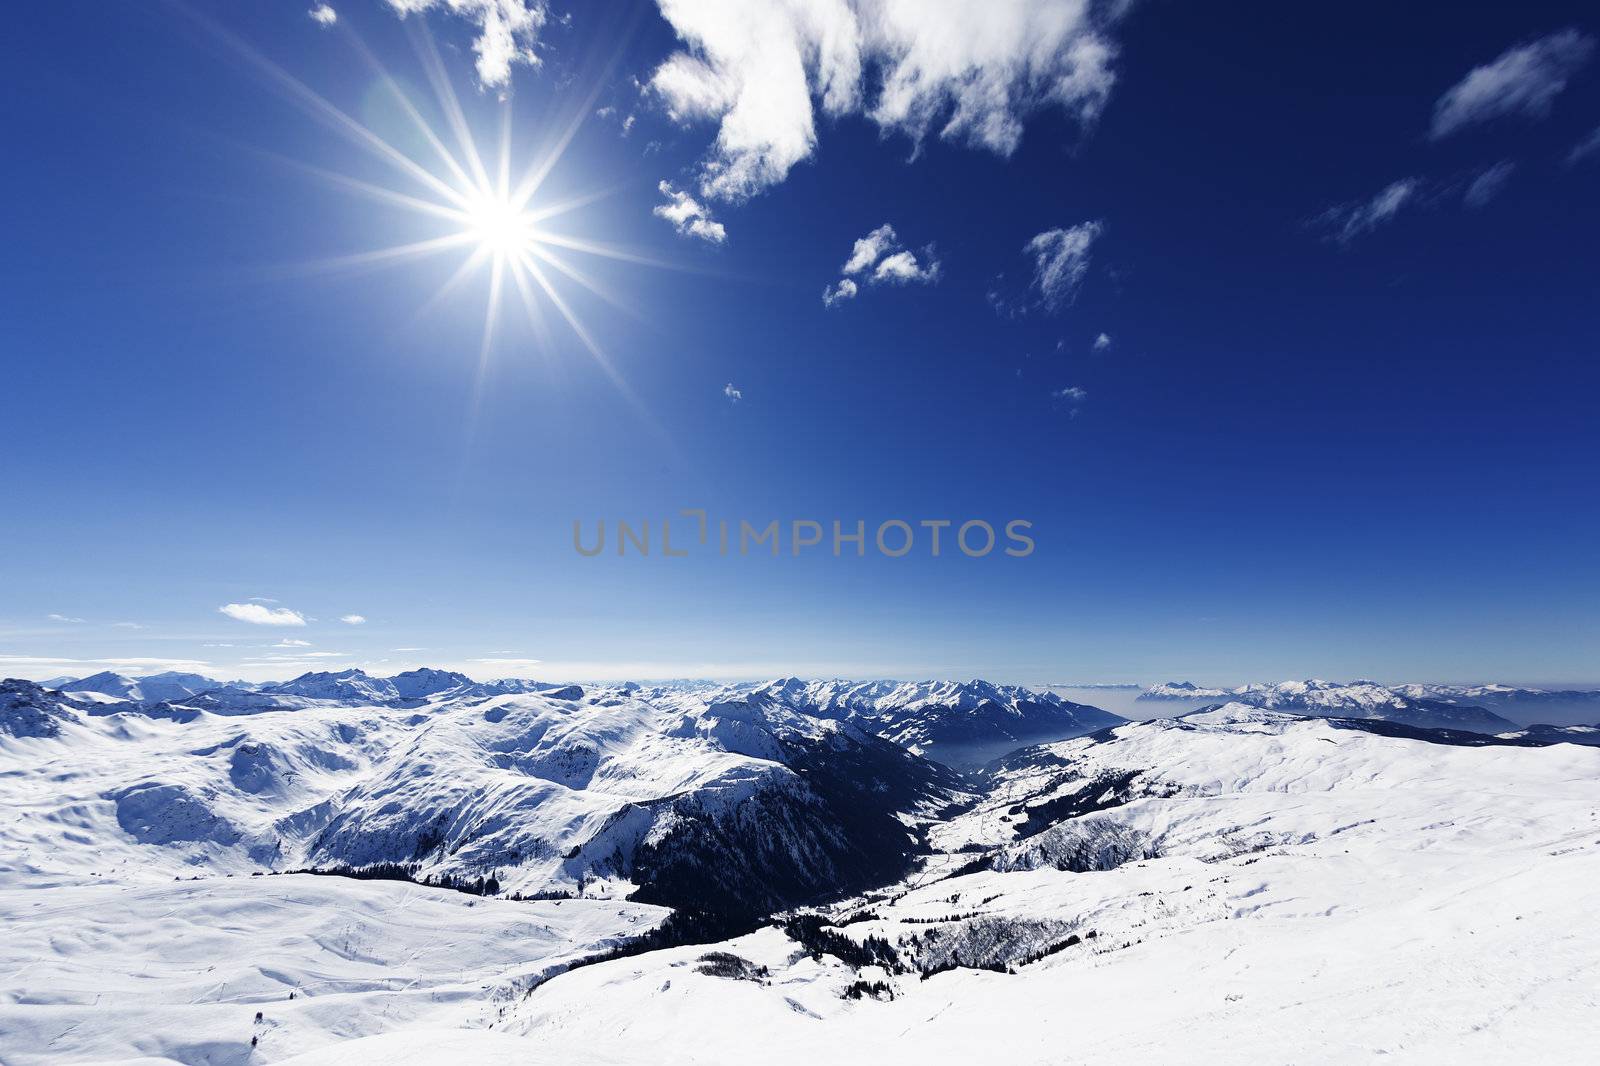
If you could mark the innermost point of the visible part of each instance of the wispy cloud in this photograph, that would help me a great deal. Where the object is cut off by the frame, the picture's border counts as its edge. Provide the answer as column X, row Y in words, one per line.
column 65, row 618
column 1345, row 222
column 1061, row 261
column 1070, row 399
column 1524, row 81
column 1586, row 147
column 299, row 656
column 880, row 258
column 323, row 15
column 260, row 615
column 508, row 32
column 353, row 619
column 38, row 666
column 290, row 642
column 971, row 73
column 688, row 216
column 511, row 663
column 1487, row 185
column 733, row 395
column 1102, row 342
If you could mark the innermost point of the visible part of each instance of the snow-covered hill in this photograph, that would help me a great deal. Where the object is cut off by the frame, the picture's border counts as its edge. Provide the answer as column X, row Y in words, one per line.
column 1241, row 885
column 1196, row 888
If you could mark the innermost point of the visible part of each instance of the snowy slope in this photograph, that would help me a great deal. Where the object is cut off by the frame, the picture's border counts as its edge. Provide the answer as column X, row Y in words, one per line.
column 1240, row 884
column 1321, row 893
column 178, row 970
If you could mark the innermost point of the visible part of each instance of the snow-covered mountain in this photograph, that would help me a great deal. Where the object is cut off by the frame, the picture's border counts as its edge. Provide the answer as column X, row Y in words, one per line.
column 1557, row 734
column 1183, row 690
column 960, row 723
column 1493, row 695
column 1240, row 885
column 151, row 688
column 724, row 860
column 674, row 800
column 1354, row 699
column 30, row 710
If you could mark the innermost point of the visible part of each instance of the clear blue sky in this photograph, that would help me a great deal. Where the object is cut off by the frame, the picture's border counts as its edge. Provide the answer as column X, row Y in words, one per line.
column 1343, row 424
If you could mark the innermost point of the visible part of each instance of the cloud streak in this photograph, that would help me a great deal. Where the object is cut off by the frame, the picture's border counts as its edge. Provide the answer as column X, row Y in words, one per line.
column 1346, row 222
column 1524, row 81
column 1061, row 261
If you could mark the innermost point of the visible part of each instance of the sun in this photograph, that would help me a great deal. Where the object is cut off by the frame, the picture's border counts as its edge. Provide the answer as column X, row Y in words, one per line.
column 499, row 226
column 493, row 218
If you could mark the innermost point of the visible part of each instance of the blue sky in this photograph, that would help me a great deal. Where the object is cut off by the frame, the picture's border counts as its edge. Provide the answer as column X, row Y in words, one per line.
column 1341, row 423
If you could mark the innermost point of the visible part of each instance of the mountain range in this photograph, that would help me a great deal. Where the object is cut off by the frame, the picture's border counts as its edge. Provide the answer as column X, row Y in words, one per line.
column 1423, row 706
column 422, row 865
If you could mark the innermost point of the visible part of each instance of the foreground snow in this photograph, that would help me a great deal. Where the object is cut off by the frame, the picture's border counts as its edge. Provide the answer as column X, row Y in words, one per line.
column 178, row 970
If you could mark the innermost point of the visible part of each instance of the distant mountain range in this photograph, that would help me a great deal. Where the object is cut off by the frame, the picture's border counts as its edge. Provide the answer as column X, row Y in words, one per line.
column 1422, row 706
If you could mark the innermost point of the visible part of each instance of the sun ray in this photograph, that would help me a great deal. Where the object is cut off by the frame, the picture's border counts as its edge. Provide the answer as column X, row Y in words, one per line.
column 378, row 193
column 449, row 103
column 408, row 106
column 411, row 251
column 587, row 281
column 320, row 110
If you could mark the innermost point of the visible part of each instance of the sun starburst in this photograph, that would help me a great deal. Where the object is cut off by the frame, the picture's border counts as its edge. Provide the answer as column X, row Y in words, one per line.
column 498, row 226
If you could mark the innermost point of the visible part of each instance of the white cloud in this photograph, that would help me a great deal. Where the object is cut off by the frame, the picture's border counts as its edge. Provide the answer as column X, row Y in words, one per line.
column 868, row 249
column 1070, row 398
column 290, row 642
column 323, row 15
column 256, row 614
column 972, row 72
column 1586, row 147
column 509, row 663
column 1349, row 221
column 64, row 618
column 353, row 619
column 734, row 395
column 408, row 649
column 688, row 215
column 1524, row 81
column 508, row 31
column 1487, row 185
column 845, row 290
column 879, row 257
column 1060, row 262
column 127, row 625
column 902, row 267
column 1102, row 342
